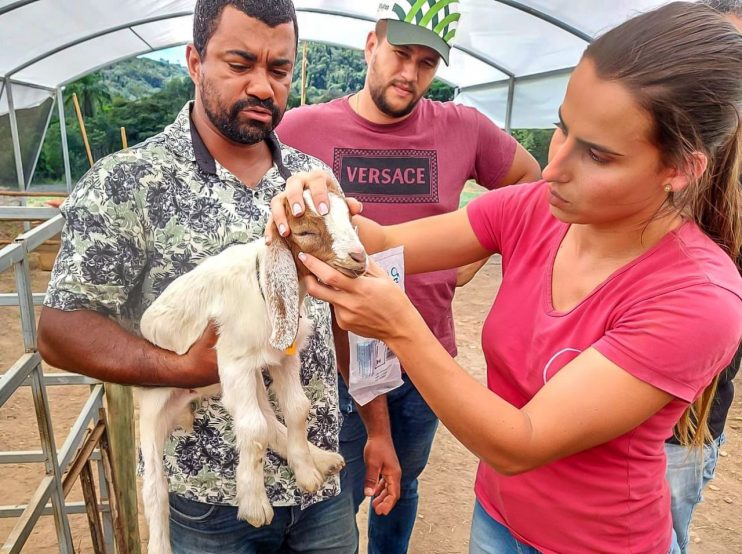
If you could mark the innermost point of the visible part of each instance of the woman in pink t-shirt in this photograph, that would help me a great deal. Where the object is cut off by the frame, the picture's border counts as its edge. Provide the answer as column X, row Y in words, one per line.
column 619, row 301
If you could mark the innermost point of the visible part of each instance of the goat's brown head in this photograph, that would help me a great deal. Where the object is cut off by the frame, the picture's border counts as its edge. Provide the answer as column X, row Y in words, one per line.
column 330, row 238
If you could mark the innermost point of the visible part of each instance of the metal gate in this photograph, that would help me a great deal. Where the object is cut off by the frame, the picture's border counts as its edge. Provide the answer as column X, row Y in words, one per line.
column 48, row 498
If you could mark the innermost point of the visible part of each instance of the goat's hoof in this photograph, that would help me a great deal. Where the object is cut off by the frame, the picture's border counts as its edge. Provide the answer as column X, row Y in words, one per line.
column 308, row 478
column 256, row 514
column 328, row 463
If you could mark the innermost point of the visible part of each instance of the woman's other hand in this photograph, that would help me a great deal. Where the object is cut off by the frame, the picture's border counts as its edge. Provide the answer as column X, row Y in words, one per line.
column 371, row 305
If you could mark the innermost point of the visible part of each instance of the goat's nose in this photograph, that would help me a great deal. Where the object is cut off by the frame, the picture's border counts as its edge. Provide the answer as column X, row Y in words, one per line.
column 358, row 256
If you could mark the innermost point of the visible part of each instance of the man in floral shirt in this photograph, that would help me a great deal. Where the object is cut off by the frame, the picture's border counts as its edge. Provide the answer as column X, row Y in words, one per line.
column 144, row 216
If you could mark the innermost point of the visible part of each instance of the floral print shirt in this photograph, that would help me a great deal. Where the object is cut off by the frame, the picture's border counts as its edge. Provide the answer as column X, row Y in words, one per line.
column 144, row 216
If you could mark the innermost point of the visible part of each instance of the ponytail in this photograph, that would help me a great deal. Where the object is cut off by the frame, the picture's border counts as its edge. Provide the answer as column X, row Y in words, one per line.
column 718, row 204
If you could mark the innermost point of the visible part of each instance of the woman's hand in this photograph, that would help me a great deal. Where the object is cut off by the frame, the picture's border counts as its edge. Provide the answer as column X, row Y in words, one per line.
column 318, row 183
column 371, row 305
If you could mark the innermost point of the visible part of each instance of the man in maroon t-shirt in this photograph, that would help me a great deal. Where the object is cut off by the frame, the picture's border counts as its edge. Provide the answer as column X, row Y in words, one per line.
column 405, row 157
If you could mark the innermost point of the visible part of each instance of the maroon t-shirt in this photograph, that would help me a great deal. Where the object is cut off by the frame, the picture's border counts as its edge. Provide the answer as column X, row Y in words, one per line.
column 407, row 170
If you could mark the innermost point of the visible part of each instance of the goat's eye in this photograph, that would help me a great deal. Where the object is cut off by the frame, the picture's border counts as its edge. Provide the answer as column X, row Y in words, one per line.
column 305, row 233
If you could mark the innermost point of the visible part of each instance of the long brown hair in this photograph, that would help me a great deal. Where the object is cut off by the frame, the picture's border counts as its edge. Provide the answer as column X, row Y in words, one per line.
column 683, row 63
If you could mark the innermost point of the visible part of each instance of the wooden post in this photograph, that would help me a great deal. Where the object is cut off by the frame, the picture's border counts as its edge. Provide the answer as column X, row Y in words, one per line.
column 81, row 121
column 304, row 74
column 124, row 142
column 120, row 403
column 91, row 508
column 120, row 431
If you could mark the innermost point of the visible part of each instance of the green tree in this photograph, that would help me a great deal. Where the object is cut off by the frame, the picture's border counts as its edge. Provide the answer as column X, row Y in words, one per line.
column 92, row 94
column 440, row 91
column 536, row 141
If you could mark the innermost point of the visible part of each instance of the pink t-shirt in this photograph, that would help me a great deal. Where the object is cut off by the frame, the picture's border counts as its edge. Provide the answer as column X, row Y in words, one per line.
column 672, row 318
column 407, row 170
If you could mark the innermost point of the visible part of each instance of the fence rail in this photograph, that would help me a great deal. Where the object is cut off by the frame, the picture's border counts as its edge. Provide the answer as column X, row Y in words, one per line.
column 48, row 498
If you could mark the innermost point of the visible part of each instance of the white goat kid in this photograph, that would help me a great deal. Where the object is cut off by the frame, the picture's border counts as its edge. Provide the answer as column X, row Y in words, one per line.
column 253, row 294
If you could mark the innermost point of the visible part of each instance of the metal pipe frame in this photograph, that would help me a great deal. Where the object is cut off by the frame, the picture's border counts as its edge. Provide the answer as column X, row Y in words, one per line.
column 28, row 315
column 10, row 255
column 30, row 457
column 22, row 213
column 97, row 34
column 10, row 299
column 64, row 379
column 15, row 138
column 41, row 233
column 31, row 85
column 17, row 375
column 19, row 535
column 514, row 4
column 88, row 414
column 548, row 18
column 46, row 431
column 131, row 24
column 509, row 108
column 476, row 55
column 518, row 80
column 27, row 371
column 17, row 4
column 70, row 508
column 65, row 147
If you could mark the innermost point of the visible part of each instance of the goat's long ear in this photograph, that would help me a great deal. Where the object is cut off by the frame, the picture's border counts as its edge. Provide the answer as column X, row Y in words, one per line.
column 282, row 294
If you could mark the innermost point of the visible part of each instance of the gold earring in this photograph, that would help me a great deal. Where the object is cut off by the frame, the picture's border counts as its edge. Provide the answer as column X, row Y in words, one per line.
column 668, row 188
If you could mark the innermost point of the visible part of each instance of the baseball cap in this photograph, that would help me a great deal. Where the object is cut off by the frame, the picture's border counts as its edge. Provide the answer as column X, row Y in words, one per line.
column 430, row 23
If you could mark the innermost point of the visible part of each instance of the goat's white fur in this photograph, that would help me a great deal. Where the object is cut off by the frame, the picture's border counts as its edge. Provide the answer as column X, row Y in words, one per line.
column 227, row 290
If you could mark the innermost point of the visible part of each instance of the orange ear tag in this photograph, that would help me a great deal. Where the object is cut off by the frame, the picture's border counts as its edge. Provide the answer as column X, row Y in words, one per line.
column 291, row 350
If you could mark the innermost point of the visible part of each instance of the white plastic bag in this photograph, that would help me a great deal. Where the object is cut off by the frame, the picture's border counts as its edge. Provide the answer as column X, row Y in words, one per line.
column 374, row 368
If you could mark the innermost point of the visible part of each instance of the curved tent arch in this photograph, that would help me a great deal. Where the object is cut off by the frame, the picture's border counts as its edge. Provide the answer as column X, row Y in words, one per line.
column 511, row 58
column 482, row 52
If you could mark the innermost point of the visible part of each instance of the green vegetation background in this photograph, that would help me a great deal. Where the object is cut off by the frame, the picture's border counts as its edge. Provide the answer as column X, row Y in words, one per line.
column 145, row 95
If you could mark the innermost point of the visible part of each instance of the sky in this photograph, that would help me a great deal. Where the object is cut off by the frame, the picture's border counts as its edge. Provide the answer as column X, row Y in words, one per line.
column 172, row 55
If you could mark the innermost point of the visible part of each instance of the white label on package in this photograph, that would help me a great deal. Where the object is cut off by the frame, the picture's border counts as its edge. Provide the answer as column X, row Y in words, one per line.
column 374, row 368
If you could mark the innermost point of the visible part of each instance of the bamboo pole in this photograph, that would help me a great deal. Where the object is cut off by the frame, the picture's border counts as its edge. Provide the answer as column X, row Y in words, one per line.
column 121, row 462
column 304, row 74
column 29, row 194
column 81, row 121
column 121, row 439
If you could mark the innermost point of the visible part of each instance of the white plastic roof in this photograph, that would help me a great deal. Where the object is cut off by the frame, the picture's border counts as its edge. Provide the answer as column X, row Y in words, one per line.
column 505, row 49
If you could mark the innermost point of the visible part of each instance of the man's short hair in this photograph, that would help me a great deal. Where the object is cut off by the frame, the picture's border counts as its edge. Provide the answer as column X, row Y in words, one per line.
column 206, row 16
column 733, row 7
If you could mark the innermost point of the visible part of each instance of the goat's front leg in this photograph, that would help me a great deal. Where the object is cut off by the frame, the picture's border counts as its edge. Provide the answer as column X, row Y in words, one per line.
column 295, row 408
column 240, row 398
column 327, row 462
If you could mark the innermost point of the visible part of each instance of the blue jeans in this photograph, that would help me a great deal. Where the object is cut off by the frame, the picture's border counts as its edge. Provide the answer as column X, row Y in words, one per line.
column 688, row 472
column 413, row 429
column 489, row 536
column 327, row 527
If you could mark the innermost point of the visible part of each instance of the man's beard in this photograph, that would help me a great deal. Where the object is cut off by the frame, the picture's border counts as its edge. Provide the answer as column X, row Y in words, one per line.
column 227, row 121
column 377, row 94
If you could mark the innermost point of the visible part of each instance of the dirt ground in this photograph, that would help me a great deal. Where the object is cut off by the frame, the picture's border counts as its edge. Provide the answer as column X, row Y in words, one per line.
column 446, row 485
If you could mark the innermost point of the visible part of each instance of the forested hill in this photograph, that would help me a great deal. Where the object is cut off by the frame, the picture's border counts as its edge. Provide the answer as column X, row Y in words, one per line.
column 138, row 77
column 331, row 72
column 144, row 95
